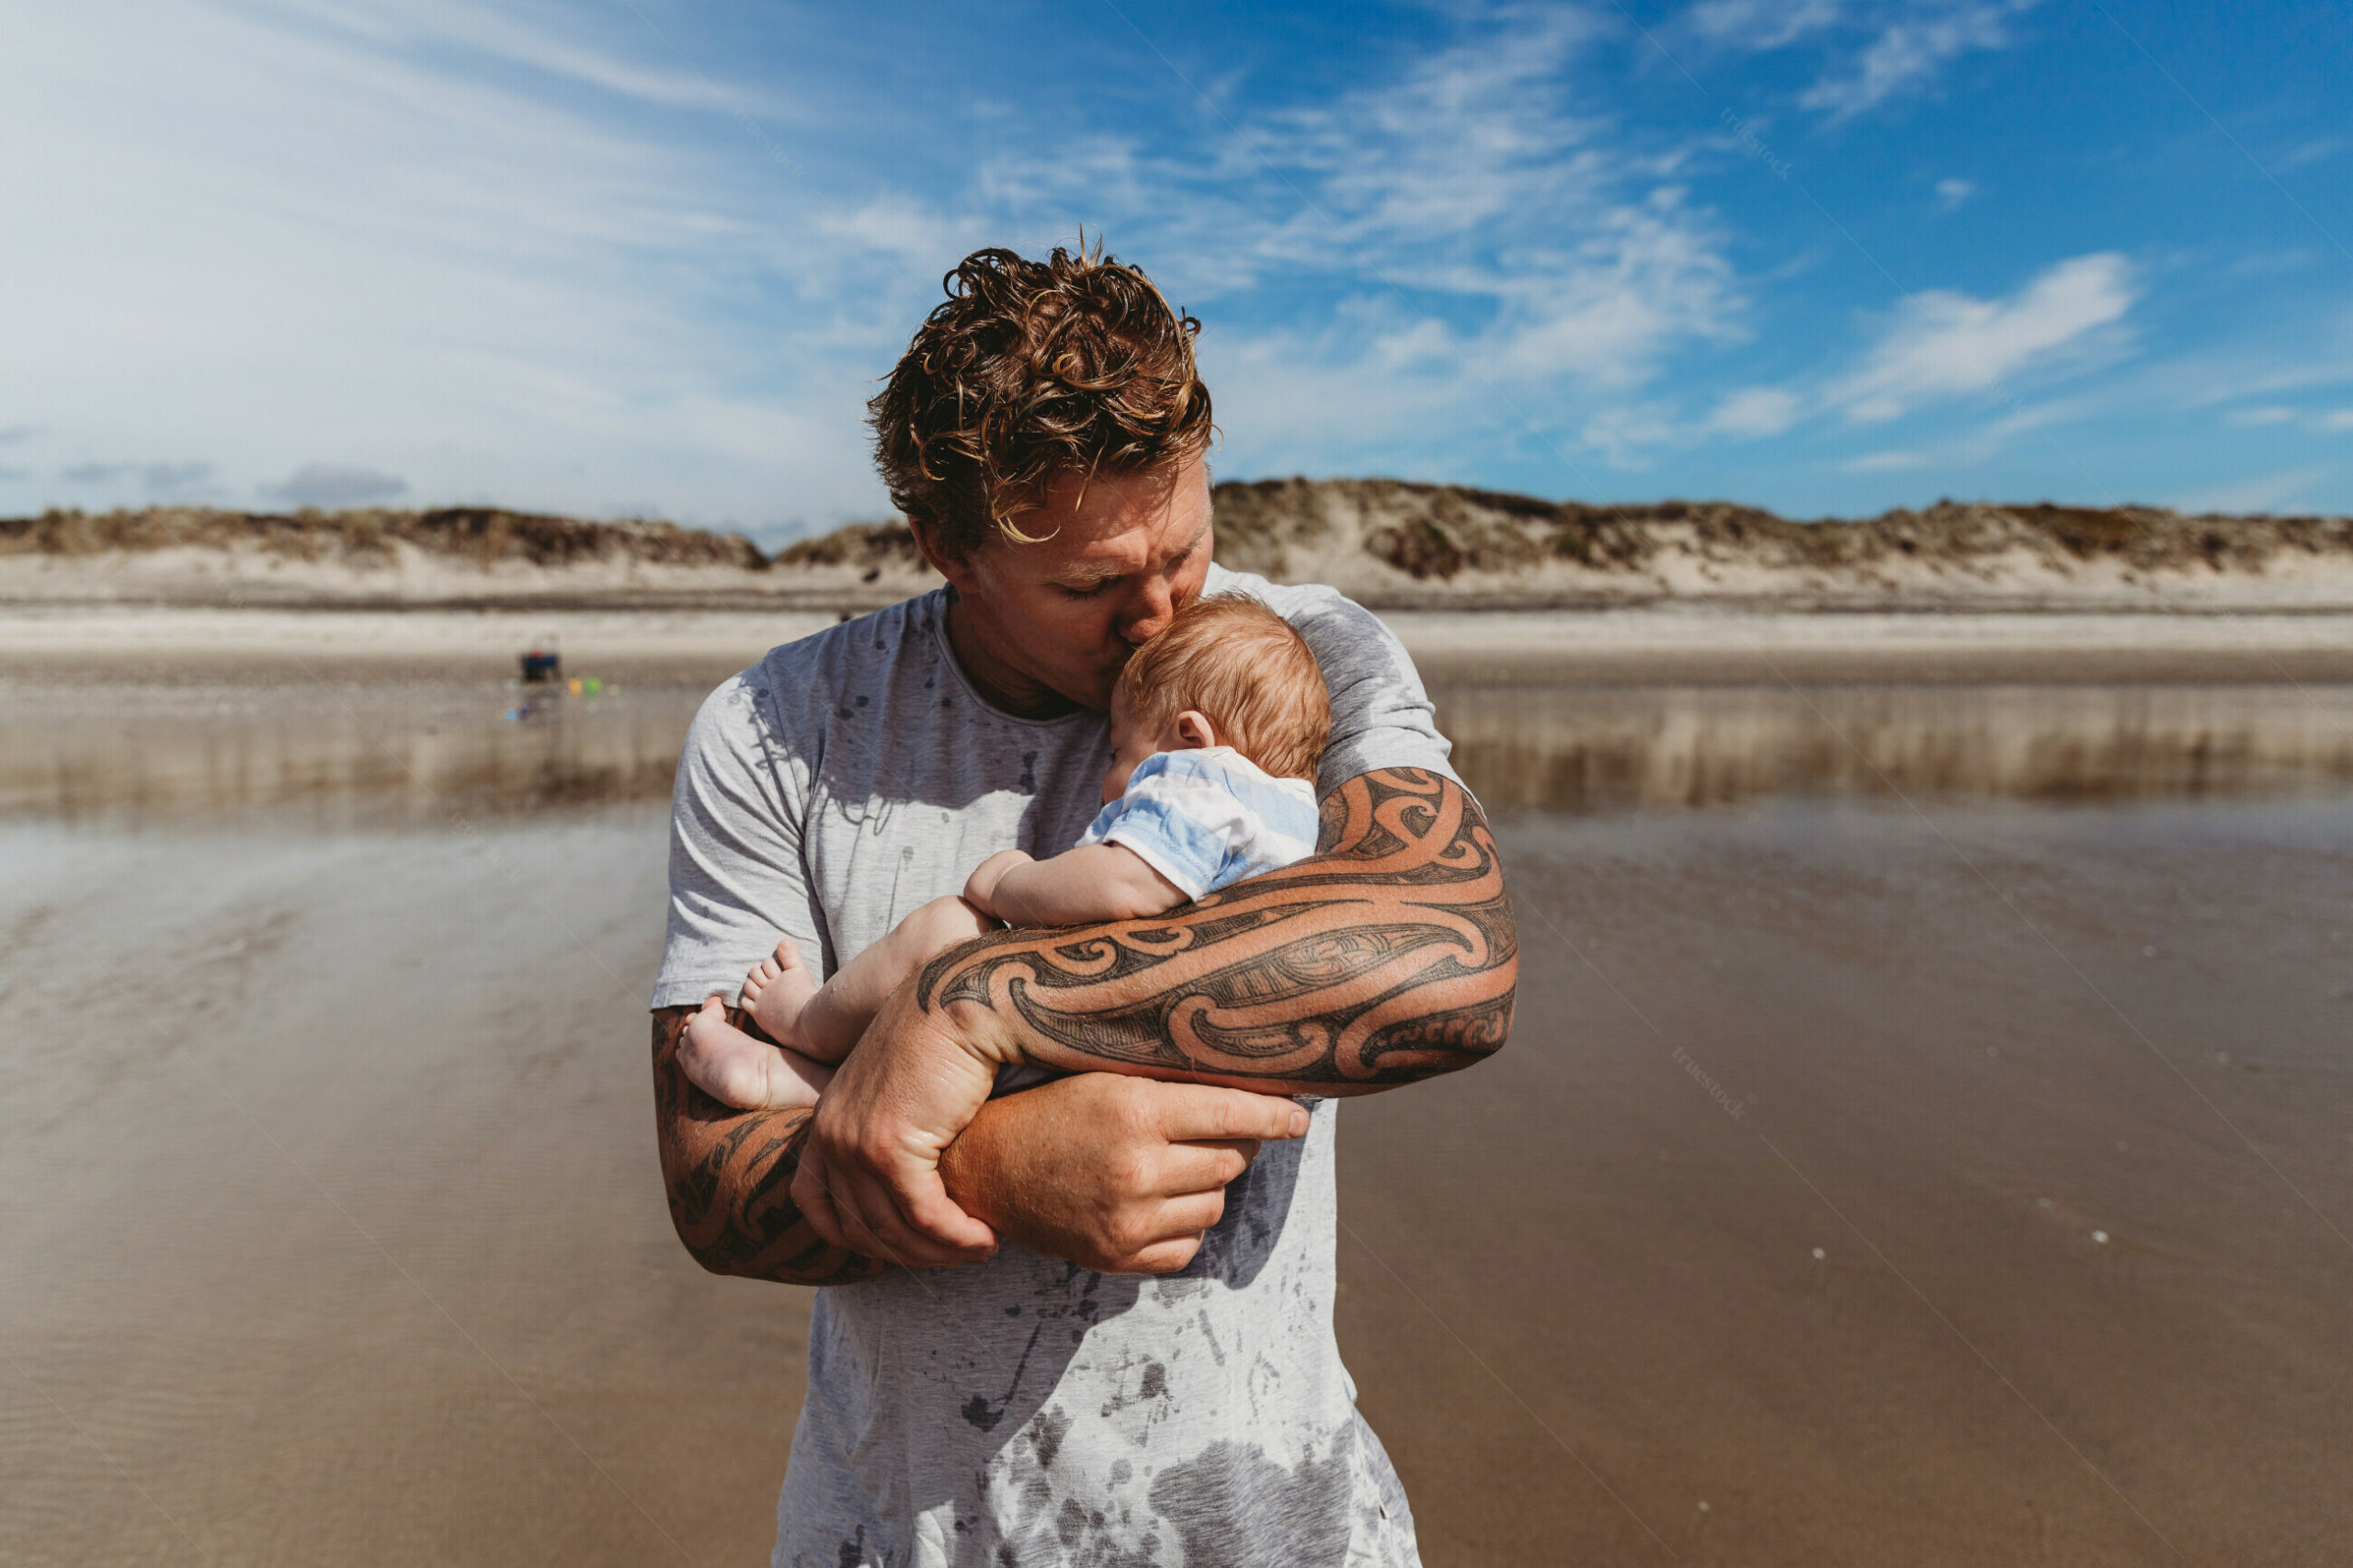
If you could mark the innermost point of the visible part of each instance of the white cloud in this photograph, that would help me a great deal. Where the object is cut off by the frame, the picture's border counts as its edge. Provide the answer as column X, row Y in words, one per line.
column 2335, row 419
column 415, row 240
column 1911, row 47
column 1763, row 23
column 1484, row 251
column 1755, row 411
column 2271, row 491
column 1951, row 193
column 335, row 485
column 1878, row 48
column 1622, row 435
column 1885, row 462
column 2256, row 416
column 1942, row 344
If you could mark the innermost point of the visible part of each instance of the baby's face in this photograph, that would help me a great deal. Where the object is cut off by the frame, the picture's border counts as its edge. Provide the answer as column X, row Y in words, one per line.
column 1131, row 743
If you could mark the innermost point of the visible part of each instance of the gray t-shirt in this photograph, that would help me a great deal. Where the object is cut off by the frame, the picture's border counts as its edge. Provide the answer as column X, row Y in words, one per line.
column 1025, row 1410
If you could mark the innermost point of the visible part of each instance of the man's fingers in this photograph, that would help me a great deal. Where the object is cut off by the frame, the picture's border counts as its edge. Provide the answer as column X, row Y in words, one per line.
column 924, row 1204
column 944, row 1241
column 1190, row 1215
column 1165, row 1258
column 808, row 1195
column 1195, row 1111
column 1204, row 1166
column 864, row 1238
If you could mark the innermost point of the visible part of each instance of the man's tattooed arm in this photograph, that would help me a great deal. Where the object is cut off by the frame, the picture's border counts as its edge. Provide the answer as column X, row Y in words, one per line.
column 730, row 1177
column 1390, row 956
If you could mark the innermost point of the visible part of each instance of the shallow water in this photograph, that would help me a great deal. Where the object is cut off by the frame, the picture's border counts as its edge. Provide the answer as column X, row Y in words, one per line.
column 1928, row 1138
column 375, row 755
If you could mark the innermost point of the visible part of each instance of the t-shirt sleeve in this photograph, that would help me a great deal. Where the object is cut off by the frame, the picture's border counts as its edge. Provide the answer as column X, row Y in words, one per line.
column 737, row 881
column 1381, row 716
column 1182, row 831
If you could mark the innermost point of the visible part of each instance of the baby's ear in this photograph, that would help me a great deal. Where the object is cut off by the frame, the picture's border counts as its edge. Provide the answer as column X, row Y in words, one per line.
column 1193, row 728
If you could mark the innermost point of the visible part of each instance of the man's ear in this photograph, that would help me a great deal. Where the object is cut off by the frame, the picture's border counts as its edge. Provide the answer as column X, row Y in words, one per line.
column 1193, row 728
column 933, row 546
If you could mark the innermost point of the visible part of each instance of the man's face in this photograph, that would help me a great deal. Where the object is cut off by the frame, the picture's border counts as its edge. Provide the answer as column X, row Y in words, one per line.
column 1115, row 560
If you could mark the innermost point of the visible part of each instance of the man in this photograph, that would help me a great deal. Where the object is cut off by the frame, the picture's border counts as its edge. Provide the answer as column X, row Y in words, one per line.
column 1089, row 1320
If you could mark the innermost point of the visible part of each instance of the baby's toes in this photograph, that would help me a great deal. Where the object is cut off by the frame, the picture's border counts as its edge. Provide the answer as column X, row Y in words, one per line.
column 787, row 956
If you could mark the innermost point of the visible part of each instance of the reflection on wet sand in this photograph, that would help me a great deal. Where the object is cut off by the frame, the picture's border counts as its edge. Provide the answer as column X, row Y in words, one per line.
column 1950, row 1192
column 1613, row 748
column 1859, row 1187
column 333, row 756
column 386, row 754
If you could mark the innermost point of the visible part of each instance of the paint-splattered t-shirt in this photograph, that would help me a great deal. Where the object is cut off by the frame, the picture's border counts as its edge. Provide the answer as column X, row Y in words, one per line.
column 1024, row 1410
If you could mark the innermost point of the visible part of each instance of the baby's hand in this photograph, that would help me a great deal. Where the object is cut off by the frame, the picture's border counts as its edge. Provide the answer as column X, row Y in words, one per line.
column 980, row 890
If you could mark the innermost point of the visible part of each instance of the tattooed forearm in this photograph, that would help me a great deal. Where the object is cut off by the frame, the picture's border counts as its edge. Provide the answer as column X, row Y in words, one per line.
column 729, row 1178
column 1388, row 957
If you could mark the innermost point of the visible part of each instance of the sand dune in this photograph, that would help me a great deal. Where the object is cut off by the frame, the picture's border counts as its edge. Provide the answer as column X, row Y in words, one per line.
column 1391, row 543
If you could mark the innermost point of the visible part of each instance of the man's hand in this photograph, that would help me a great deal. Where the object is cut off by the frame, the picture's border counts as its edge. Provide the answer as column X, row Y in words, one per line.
column 1116, row 1174
column 1106, row 1171
column 870, row 1179
column 870, row 1174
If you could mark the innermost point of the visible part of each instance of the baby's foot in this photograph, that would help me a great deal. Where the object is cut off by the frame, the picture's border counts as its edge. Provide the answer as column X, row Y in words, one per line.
column 749, row 1074
column 775, row 991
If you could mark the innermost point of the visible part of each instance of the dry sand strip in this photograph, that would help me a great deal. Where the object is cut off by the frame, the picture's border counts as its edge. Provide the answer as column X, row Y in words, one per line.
column 1632, row 646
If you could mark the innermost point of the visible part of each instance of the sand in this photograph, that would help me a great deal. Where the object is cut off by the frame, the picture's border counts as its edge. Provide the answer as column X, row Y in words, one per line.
column 334, row 1231
column 1923, row 1142
column 1656, row 645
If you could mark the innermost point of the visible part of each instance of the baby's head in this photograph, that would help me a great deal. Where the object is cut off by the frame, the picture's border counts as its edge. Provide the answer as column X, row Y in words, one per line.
column 1228, row 672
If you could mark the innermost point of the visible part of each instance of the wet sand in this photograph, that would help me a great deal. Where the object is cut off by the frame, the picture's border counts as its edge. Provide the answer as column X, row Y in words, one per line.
column 2063, row 1098
column 1667, row 644
column 333, row 1231
column 356, row 753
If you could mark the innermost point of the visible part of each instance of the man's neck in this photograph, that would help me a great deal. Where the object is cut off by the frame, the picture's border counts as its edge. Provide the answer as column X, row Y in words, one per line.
column 1002, row 683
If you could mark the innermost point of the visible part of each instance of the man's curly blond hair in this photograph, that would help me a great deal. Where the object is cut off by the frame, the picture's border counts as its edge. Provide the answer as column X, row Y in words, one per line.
column 1030, row 371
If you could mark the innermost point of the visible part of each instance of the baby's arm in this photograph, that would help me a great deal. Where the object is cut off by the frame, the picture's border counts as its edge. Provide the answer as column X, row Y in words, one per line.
column 1078, row 887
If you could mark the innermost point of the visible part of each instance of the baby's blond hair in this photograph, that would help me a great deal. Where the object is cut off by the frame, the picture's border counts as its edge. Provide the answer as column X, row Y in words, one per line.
column 1232, row 658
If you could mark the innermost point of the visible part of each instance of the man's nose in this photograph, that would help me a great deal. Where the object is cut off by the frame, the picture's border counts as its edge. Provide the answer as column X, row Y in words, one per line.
column 1149, row 614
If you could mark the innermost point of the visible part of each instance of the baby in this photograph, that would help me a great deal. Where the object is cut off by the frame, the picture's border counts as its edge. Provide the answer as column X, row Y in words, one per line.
column 1217, row 725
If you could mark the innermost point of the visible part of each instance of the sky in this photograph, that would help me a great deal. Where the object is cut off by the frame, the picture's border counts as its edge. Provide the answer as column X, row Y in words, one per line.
column 648, row 258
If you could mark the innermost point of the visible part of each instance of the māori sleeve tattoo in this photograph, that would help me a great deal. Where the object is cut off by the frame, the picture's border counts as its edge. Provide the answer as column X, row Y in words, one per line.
column 1389, row 955
column 730, row 1177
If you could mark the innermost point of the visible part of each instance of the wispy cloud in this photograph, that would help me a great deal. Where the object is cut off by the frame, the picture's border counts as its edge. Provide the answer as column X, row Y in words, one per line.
column 1951, row 193
column 1481, row 243
column 1755, row 412
column 174, row 478
column 335, row 485
column 466, row 266
column 1941, row 344
column 1908, row 51
column 2265, row 492
column 1874, row 50
column 1763, row 24
column 1886, row 462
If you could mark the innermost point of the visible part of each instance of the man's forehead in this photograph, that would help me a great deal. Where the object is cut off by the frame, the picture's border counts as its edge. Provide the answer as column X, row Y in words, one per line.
column 1122, row 501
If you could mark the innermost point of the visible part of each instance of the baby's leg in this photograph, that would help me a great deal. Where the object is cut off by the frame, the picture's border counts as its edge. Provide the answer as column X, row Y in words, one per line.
column 834, row 1018
column 749, row 1074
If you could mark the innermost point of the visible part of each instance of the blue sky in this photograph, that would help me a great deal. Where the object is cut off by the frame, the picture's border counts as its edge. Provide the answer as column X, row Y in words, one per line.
column 646, row 258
